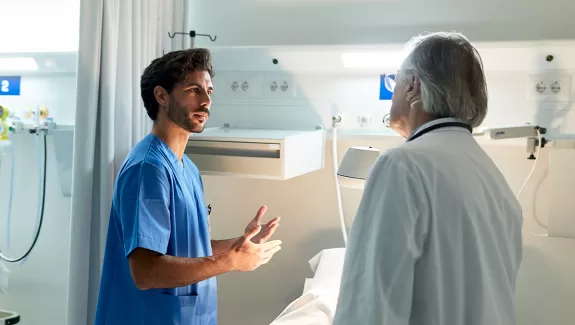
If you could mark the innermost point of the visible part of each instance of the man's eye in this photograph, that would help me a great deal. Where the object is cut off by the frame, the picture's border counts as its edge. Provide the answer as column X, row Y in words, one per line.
column 193, row 90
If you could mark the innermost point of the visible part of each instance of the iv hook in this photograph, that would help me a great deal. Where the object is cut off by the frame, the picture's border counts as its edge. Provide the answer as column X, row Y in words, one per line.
column 193, row 34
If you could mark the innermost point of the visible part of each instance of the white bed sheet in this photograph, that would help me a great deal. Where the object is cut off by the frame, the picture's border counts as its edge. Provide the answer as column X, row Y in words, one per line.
column 317, row 304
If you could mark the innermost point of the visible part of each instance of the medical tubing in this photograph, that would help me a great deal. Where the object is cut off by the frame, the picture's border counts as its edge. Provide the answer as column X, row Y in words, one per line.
column 529, row 177
column 10, row 198
column 40, row 191
column 39, row 173
column 39, row 228
column 337, row 188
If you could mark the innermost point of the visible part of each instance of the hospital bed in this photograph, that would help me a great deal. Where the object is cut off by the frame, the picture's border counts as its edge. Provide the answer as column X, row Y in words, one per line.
column 317, row 304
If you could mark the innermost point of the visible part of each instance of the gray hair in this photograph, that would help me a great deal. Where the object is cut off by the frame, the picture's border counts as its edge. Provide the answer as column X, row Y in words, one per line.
column 452, row 78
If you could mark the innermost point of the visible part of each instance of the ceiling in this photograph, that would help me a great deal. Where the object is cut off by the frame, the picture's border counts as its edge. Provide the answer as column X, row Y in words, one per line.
column 320, row 22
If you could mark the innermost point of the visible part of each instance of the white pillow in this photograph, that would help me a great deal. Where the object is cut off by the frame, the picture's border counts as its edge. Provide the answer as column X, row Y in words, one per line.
column 327, row 265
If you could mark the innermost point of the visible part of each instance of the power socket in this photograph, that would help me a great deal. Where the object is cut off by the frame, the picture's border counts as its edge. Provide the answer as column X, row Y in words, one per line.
column 280, row 88
column 240, row 86
column 556, row 87
column 540, row 87
column 550, row 87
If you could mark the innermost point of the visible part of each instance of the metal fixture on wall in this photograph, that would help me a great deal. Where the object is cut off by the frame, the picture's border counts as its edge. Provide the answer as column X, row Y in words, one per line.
column 386, row 120
column 192, row 34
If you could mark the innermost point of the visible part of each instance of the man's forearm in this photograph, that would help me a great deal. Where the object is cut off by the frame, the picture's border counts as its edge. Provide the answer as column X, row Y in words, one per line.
column 222, row 246
column 164, row 271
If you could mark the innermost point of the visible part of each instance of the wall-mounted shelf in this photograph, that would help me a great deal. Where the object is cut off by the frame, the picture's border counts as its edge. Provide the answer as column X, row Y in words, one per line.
column 257, row 153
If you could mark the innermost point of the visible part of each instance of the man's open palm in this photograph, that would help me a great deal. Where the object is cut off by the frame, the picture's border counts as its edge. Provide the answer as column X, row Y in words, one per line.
column 267, row 230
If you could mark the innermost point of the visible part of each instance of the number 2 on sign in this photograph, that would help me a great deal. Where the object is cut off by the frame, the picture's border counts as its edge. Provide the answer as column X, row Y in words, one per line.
column 4, row 88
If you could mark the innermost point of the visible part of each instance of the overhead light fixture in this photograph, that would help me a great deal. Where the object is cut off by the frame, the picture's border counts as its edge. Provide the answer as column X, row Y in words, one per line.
column 18, row 64
column 392, row 60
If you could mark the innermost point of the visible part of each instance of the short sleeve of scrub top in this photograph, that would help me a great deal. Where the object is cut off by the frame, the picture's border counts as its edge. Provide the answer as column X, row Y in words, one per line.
column 144, row 211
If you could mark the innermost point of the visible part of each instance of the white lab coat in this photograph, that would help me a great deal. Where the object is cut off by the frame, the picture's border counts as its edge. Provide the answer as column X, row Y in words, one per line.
column 436, row 240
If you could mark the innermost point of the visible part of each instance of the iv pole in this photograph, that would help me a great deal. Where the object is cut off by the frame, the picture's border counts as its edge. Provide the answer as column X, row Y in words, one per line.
column 192, row 34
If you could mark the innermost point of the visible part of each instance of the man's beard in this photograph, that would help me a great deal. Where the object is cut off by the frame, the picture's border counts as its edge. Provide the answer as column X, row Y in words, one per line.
column 181, row 117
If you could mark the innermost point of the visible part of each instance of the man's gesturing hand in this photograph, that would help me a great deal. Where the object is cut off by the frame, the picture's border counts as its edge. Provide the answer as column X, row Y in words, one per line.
column 248, row 256
column 267, row 229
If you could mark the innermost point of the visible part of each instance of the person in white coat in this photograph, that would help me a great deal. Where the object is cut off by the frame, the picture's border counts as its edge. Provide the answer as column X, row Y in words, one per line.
column 437, row 236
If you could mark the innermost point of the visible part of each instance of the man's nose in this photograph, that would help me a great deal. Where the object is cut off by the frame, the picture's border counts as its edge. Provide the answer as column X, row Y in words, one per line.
column 206, row 99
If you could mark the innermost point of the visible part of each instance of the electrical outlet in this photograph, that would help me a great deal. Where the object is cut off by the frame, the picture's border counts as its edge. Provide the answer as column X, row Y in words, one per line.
column 551, row 87
column 540, row 87
column 229, row 86
column 235, row 86
column 245, row 86
column 556, row 87
column 280, row 88
column 240, row 86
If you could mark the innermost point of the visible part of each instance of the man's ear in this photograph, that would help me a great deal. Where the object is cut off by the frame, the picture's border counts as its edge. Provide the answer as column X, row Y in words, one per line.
column 415, row 85
column 414, row 89
column 162, row 96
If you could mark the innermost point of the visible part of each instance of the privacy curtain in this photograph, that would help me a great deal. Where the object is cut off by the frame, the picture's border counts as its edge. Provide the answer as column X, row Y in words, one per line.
column 118, row 39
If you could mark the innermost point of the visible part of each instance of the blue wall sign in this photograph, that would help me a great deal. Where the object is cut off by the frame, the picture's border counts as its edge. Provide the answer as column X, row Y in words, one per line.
column 386, row 85
column 10, row 85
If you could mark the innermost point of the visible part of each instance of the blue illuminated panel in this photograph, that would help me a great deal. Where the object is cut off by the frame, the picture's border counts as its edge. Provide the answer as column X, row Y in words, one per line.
column 10, row 85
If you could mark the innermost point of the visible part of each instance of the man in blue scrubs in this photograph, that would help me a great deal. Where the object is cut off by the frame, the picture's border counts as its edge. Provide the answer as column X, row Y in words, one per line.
column 160, row 263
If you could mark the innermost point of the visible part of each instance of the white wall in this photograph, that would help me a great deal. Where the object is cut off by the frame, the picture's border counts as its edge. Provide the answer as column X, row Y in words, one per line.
column 307, row 204
column 38, row 288
column 283, row 22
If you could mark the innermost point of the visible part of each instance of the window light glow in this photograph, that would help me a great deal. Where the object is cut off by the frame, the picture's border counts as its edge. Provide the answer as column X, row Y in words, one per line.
column 373, row 60
column 39, row 26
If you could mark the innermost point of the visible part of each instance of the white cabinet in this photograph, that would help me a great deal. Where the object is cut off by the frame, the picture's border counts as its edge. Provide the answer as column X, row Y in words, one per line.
column 257, row 153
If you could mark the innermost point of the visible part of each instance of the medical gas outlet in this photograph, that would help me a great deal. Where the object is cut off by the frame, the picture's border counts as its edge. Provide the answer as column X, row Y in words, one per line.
column 40, row 116
column 339, row 119
column 364, row 120
column 37, row 114
column 4, row 127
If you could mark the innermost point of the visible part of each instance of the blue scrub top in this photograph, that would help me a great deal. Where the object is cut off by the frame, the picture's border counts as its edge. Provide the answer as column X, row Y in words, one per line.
column 158, row 204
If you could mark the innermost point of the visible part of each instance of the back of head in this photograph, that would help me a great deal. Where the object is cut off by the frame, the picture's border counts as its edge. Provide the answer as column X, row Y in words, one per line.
column 452, row 79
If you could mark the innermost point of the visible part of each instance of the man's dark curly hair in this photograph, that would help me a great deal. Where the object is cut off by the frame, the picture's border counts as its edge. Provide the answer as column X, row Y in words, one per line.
column 170, row 69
